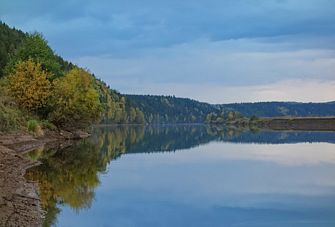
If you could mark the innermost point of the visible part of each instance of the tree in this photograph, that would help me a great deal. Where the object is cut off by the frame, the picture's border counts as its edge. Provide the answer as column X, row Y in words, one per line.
column 35, row 47
column 231, row 116
column 10, row 39
column 132, row 115
column 75, row 100
column 139, row 119
column 211, row 118
column 29, row 86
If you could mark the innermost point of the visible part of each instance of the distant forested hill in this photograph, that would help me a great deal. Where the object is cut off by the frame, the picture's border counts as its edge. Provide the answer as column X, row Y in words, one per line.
column 275, row 109
column 169, row 109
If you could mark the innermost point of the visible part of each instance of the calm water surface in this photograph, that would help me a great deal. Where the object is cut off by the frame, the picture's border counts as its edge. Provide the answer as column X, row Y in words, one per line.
column 189, row 176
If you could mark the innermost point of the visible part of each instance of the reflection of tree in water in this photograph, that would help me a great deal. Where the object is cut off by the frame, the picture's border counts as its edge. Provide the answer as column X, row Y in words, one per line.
column 69, row 176
column 225, row 133
column 170, row 138
column 250, row 135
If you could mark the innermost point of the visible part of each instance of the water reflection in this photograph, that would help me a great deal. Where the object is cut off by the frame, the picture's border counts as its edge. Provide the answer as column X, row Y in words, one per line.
column 67, row 176
column 71, row 175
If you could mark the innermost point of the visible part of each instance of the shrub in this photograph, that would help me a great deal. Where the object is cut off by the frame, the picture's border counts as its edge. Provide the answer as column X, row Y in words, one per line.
column 11, row 118
column 48, row 125
column 2, row 88
column 254, row 118
column 32, row 125
column 35, row 127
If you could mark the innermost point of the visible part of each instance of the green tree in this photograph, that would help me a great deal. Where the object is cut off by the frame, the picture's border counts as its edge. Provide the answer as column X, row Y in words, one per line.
column 10, row 40
column 211, row 117
column 35, row 47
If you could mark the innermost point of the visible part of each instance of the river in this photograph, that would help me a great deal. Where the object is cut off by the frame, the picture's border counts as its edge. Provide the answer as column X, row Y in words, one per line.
column 189, row 175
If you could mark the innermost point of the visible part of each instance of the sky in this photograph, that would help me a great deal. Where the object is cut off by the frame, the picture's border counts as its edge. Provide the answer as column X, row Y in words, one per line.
column 216, row 51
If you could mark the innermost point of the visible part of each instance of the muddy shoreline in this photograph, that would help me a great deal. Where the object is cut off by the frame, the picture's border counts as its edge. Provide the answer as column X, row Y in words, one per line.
column 19, row 200
column 298, row 124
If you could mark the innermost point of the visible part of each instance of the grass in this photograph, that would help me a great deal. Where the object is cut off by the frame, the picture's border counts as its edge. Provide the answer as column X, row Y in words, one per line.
column 11, row 118
column 35, row 127
column 48, row 125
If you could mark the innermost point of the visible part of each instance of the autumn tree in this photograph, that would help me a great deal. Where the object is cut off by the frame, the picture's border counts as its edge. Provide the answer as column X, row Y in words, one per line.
column 132, row 115
column 139, row 119
column 29, row 86
column 75, row 101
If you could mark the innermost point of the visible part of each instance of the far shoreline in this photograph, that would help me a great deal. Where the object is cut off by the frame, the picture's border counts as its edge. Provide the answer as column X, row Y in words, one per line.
column 263, row 123
column 298, row 123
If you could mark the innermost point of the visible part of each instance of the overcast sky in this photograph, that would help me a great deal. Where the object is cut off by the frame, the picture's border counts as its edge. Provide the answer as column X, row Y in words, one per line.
column 217, row 51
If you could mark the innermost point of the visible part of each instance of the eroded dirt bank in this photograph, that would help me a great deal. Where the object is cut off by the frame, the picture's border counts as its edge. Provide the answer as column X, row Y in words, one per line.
column 19, row 202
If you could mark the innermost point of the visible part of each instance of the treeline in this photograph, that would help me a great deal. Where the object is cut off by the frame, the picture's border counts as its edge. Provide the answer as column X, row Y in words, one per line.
column 38, row 86
column 277, row 109
column 169, row 109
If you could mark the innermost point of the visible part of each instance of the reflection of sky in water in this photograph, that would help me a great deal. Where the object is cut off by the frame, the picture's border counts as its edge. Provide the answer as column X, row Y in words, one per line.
column 218, row 184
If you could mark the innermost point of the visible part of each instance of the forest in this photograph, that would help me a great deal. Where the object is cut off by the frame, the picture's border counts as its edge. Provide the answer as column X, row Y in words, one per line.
column 277, row 109
column 39, row 89
column 169, row 109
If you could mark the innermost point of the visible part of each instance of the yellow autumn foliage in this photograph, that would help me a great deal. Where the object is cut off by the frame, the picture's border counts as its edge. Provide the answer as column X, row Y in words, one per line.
column 75, row 100
column 29, row 85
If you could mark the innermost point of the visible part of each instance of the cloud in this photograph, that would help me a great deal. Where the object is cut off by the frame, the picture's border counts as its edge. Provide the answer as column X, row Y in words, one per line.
column 289, row 90
column 299, row 170
column 114, row 27
column 226, row 43
column 225, row 71
column 300, row 154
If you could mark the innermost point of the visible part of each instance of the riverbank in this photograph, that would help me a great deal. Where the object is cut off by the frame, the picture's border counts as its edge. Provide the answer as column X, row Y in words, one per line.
column 303, row 123
column 19, row 201
column 281, row 123
column 23, row 141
